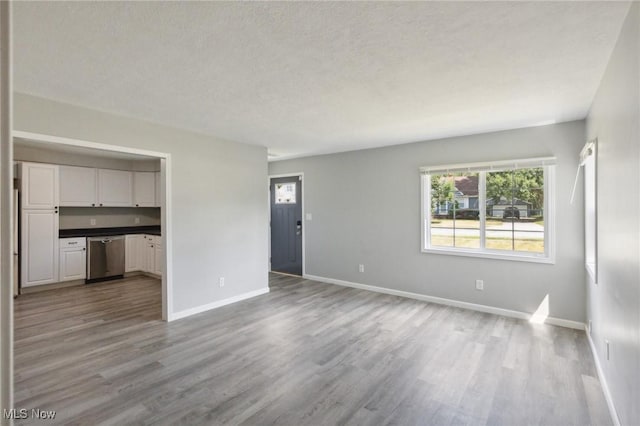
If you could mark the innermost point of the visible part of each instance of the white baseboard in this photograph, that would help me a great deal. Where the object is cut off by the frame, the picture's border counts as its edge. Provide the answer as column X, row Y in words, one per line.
column 449, row 302
column 198, row 309
column 603, row 381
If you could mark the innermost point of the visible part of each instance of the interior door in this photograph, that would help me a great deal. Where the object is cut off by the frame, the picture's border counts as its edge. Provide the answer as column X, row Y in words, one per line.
column 286, row 225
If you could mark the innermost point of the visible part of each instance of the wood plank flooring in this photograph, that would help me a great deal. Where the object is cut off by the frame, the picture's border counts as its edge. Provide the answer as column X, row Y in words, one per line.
column 305, row 354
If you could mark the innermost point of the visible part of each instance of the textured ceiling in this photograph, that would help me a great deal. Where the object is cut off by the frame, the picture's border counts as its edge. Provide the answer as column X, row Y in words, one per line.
column 303, row 78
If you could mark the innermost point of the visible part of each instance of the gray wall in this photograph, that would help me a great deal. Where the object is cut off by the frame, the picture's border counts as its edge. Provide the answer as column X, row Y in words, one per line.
column 108, row 217
column 614, row 303
column 219, row 212
column 366, row 209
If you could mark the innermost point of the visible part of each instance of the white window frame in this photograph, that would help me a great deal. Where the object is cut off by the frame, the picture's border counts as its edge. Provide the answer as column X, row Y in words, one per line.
column 589, row 160
column 547, row 163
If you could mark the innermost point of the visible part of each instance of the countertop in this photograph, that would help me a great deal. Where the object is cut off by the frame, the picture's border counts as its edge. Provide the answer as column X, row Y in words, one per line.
column 103, row 232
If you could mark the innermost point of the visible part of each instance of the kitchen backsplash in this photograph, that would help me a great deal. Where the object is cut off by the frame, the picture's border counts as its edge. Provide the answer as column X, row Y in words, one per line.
column 108, row 217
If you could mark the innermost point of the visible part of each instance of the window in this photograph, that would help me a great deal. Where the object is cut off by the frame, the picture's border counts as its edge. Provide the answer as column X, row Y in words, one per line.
column 498, row 210
column 286, row 193
column 588, row 160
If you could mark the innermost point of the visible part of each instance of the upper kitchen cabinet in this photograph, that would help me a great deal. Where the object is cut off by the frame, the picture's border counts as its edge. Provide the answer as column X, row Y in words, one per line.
column 115, row 188
column 39, row 186
column 144, row 189
column 158, row 190
column 78, row 186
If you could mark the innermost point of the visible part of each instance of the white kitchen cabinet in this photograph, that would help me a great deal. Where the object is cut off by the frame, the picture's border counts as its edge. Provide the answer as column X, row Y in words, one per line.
column 158, row 197
column 158, row 260
column 135, row 246
column 150, row 255
column 144, row 189
column 115, row 188
column 78, row 186
column 39, row 253
column 73, row 259
column 39, row 186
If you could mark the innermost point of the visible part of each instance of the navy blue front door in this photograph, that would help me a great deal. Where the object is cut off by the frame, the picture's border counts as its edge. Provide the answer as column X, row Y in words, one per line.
column 286, row 225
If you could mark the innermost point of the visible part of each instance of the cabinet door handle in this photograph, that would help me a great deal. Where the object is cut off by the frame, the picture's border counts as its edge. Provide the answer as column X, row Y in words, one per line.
column 84, row 249
column 93, row 204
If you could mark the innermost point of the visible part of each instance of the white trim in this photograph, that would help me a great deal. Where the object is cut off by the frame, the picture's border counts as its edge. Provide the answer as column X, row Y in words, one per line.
column 489, row 165
column 218, row 304
column 40, row 137
column 449, row 302
column 6, row 211
column 487, row 254
column 304, row 218
column 603, row 381
column 165, row 205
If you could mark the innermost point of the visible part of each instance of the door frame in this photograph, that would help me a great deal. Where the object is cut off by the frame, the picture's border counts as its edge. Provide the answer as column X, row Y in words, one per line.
column 300, row 175
column 165, row 204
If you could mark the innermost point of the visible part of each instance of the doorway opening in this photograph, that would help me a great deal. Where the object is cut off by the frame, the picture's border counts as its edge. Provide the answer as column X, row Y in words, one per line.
column 286, row 218
column 133, row 185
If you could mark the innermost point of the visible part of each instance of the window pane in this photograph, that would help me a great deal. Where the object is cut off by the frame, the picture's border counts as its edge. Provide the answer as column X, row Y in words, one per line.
column 286, row 193
column 515, row 210
column 455, row 210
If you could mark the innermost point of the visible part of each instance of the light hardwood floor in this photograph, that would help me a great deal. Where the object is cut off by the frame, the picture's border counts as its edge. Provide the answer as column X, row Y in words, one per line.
column 306, row 353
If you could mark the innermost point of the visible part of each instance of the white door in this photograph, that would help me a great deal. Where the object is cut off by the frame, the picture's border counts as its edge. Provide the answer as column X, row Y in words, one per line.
column 158, row 266
column 78, row 186
column 39, row 186
column 73, row 264
column 144, row 189
column 39, row 247
column 115, row 188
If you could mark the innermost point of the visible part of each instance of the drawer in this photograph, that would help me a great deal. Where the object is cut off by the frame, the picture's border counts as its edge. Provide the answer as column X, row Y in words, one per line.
column 154, row 239
column 73, row 242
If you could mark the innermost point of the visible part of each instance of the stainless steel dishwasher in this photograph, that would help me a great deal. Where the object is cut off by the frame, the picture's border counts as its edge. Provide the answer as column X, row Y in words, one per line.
column 106, row 258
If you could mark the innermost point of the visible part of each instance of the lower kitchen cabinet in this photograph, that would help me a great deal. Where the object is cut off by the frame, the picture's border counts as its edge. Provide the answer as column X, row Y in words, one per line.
column 134, row 255
column 144, row 253
column 73, row 259
column 39, row 252
column 150, row 255
column 158, row 263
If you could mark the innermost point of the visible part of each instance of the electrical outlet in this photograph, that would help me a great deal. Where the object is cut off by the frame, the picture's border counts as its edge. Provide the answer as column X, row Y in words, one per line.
column 361, row 268
column 93, row 222
column 221, row 281
column 606, row 342
column 479, row 285
column 136, row 220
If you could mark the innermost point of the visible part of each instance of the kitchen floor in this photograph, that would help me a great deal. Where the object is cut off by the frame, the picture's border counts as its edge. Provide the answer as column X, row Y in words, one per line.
column 306, row 353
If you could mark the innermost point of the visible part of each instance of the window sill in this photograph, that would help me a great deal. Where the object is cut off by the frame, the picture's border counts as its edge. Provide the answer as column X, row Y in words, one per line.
column 491, row 255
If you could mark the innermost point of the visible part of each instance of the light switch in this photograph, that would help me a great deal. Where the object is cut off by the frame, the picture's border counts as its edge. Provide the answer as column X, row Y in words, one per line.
column 309, row 216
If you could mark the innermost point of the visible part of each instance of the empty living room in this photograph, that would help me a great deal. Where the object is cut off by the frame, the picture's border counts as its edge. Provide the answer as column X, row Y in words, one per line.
column 320, row 213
